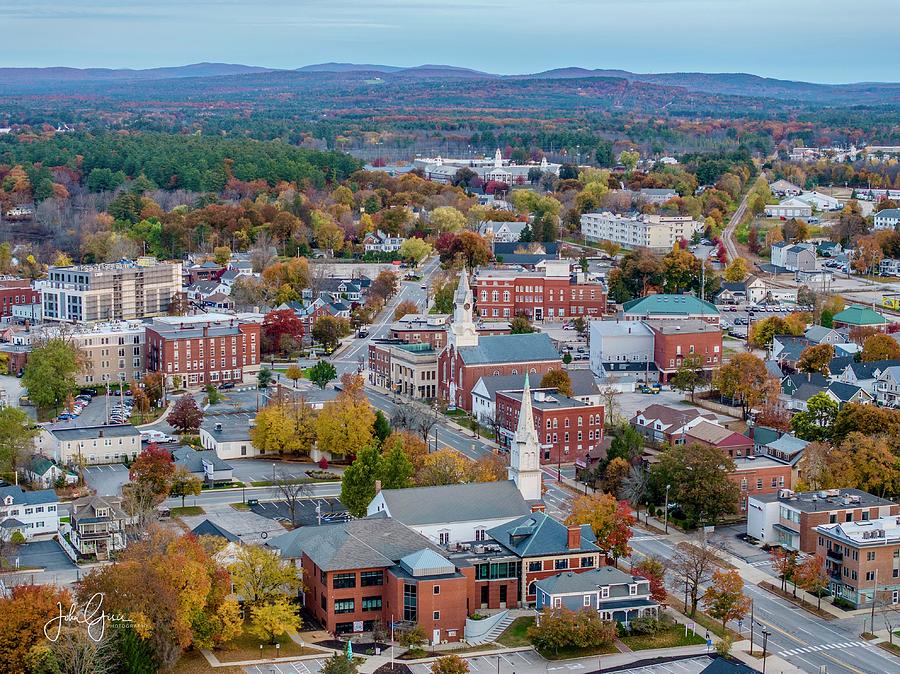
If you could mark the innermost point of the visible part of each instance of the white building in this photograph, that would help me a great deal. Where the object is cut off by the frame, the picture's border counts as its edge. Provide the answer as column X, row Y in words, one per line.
column 794, row 257
column 502, row 232
column 656, row 232
column 784, row 188
column 379, row 242
column 228, row 435
column 820, row 202
column 90, row 444
column 617, row 343
column 498, row 169
column 889, row 218
column 35, row 514
column 789, row 208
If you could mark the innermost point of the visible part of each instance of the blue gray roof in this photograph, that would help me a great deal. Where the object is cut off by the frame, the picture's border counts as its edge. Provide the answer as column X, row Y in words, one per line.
column 92, row 432
column 839, row 364
column 22, row 497
column 426, row 562
column 456, row 502
column 787, row 443
column 527, row 348
column 872, row 369
column 791, row 383
column 191, row 459
column 843, row 392
column 207, row 528
column 537, row 534
column 588, row 581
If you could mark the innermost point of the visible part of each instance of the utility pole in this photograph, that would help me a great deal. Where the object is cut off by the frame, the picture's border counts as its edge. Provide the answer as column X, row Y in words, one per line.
column 874, row 599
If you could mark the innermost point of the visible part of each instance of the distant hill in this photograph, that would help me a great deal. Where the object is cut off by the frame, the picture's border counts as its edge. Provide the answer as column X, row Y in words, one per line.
column 347, row 68
column 64, row 74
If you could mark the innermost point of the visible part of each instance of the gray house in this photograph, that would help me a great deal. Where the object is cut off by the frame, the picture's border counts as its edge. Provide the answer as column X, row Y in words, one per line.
column 204, row 464
column 615, row 594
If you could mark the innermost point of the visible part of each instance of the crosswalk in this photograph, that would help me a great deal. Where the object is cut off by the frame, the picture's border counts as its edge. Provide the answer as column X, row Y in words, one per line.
column 649, row 537
column 825, row 647
column 762, row 562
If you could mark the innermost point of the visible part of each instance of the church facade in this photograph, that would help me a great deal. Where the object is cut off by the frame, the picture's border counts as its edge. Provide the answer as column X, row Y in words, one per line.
column 469, row 356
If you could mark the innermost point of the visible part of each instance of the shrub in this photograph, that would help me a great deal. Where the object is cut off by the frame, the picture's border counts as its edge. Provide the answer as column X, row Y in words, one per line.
column 646, row 625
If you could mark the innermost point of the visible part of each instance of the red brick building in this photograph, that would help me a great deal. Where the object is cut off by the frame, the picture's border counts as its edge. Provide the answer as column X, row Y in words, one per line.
column 552, row 293
column 568, row 428
column 15, row 292
column 674, row 342
column 206, row 349
column 756, row 476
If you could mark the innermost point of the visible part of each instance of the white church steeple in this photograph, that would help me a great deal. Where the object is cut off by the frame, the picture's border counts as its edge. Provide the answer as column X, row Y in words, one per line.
column 524, row 461
column 498, row 159
column 463, row 331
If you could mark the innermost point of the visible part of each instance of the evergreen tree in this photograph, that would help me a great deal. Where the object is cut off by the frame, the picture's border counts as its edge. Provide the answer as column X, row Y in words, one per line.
column 358, row 483
column 382, row 427
column 396, row 470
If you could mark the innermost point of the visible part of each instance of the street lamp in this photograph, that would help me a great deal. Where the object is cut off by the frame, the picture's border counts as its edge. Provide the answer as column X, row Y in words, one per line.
column 666, row 513
column 765, row 633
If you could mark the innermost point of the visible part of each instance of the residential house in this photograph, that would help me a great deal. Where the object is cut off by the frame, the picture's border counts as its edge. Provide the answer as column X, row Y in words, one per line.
column 656, row 196
column 731, row 293
column 789, row 519
column 34, row 514
column 843, row 393
column 865, row 375
column 829, row 248
column 819, row 334
column 887, row 387
column 74, row 445
column 615, row 594
column 786, row 349
column 204, row 464
column 502, row 232
column 45, row 472
column 98, row 526
column 202, row 290
column 379, row 242
column 228, row 436
column 538, row 253
column 888, row 218
column 733, row 444
column 794, row 257
column 669, row 425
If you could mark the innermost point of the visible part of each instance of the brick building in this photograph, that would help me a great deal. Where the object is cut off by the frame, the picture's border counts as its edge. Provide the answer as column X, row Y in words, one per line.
column 468, row 356
column 203, row 349
column 789, row 518
column 759, row 476
column 552, row 293
column 862, row 559
column 16, row 292
column 675, row 342
column 569, row 428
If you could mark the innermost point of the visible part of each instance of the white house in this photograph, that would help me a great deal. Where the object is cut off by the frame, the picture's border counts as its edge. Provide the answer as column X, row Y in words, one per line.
column 46, row 473
column 794, row 257
column 379, row 242
column 789, row 208
column 889, row 218
column 90, row 444
column 35, row 514
column 228, row 435
column 454, row 513
column 502, row 232
column 887, row 387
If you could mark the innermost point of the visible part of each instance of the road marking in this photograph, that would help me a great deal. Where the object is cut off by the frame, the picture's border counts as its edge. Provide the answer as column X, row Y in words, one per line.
column 472, row 664
column 825, row 647
column 523, row 657
column 297, row 666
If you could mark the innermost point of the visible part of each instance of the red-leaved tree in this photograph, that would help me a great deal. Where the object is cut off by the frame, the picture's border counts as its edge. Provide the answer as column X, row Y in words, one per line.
column 185, row 415
column 281, row 330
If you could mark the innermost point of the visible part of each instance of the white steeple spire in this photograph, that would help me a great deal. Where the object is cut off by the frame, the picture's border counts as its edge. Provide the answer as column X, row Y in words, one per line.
column 498, row 159
column 463, row 331
column 524, row 464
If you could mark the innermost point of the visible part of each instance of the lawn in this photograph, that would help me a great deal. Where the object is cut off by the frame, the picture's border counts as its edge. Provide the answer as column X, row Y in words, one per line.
column 517, row 633
column 713, row 625
column 669, row 637
column 246, row 647
column 240, row 506
column 195, row 663
column 575, row 652
column 187, row 510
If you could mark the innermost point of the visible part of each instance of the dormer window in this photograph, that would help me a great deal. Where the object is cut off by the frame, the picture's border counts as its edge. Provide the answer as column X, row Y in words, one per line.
column 632, row 590
column 102, row 512
column 8, row 500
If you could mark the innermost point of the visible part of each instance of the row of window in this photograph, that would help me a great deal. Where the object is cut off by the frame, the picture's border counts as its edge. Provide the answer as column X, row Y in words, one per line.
column 14, row 512
column 560, row 564
column 349, row 605
column 346, row 580
column 775, row 482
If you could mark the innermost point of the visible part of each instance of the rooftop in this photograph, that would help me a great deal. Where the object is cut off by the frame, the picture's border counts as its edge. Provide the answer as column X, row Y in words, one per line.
column 826, row 499
column 22, row 497
column 665, row 304
column 93, row 432
column 459, row 502
column 693, row 326
column 547, row 399
column 537, row 534
column 880, row 531
column 588, row 581
column 527, row 348
column 859, row 315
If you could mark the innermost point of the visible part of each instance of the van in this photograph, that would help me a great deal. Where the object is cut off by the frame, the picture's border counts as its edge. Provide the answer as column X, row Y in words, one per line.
column 154, row 436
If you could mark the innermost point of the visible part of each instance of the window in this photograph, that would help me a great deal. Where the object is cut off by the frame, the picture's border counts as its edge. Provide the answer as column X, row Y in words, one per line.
column 604, row 592
column 435, row 615
column 870, row 575
column 557, row 602
column 587, row 600
column 632, row 590
column 870, row 556
column 759, row 483
column 436, row 589
column 371, row 604
column 586, row 562
column 343, row 580
column 344, row 605
column 534, row 566
column 561, row 564
column 444, row 537
column 370, row 578
column 410, row 611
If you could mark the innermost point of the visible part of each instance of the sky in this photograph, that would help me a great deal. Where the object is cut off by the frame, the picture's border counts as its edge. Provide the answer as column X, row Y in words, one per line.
column 812, row 40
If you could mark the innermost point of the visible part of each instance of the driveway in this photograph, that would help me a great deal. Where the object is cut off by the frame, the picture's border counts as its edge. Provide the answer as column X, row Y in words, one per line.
column 45, row 555
column 106, row 479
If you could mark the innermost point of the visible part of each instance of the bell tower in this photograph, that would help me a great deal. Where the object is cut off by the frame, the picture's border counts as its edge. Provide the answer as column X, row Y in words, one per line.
column 463, row 331
column 524, row 461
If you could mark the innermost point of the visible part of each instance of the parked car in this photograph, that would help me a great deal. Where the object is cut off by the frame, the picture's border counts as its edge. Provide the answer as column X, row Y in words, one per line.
column 90, row 392
column 155, row 436
column 226, row 385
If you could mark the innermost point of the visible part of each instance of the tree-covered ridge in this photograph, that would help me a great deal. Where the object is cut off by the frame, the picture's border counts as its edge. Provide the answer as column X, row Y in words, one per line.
column 195, row 163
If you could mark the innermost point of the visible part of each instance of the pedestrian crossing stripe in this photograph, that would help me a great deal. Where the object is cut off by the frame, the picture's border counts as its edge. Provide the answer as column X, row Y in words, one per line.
column 647, row 538
column 825, row 647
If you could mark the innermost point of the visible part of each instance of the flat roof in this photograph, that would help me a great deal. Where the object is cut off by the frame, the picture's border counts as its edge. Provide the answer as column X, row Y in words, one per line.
column 833, row 499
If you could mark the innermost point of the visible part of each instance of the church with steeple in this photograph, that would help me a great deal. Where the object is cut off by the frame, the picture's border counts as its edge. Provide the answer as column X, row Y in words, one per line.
column 524, row 451
column 469, row 356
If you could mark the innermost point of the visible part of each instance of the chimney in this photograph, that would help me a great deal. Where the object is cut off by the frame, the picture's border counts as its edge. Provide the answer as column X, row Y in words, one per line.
column 537, row 507
column 101, row 433
column 377, row 486
column 573, row 537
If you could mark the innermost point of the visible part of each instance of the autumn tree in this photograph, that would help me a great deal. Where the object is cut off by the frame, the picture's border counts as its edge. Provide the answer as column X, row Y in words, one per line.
column 261, row 576
column 329, row 330
column 153, row 467
column 813, row 577
column 615, row 474
column 185, row 415
column 879, row 347
column 558, row 379
column 184, row 483
column 724, row 598
column 693, row 564
column 699, row 479
column 690, row 375
column 784, row 562
column 344, row 425
column 763, row 331
column 405, row 307
column 745, row 379
column 562, row 628
column 869, row 464
column 445, row 466
column 816, row 358
column 466, row 248
column 654, row 570
column 865, row 419
column 414, row 249
column 358, row 481
column 271, row 620
column 284, row 427
column 282, row 331
column 24, row 611
column 736, row 271
column 521, row 325
column 609, row 519
column 488, row 468
column 384, row 286
column 450, row 664
column 17, row 435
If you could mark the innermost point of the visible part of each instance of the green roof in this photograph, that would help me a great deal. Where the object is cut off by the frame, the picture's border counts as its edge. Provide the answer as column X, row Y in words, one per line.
column 859, row 315
column 676, row 305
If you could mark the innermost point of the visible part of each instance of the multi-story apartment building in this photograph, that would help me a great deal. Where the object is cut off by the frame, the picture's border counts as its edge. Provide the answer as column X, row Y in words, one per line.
column 862, row 560
column 656, row 232
column 16, row 292
column 551, row 293
column 693, row 341
column 789, row 518
column 117, row 291
column 570, row 428
column 421, row 328
column 204, row 349
column 35, row 514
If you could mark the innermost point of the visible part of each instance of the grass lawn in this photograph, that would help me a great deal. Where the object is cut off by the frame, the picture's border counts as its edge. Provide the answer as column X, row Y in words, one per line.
column 713, row 625
column 246, row 647
column 517, row 633
column 667, row 638
column 240, row 506
column 195, row 663
column 187, row 510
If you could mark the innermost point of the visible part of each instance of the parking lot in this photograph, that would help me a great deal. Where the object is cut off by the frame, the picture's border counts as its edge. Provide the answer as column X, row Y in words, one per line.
column 107, row 479
column 306, row 512
column 45, row 555
column 260, row 470
column 309, row 666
